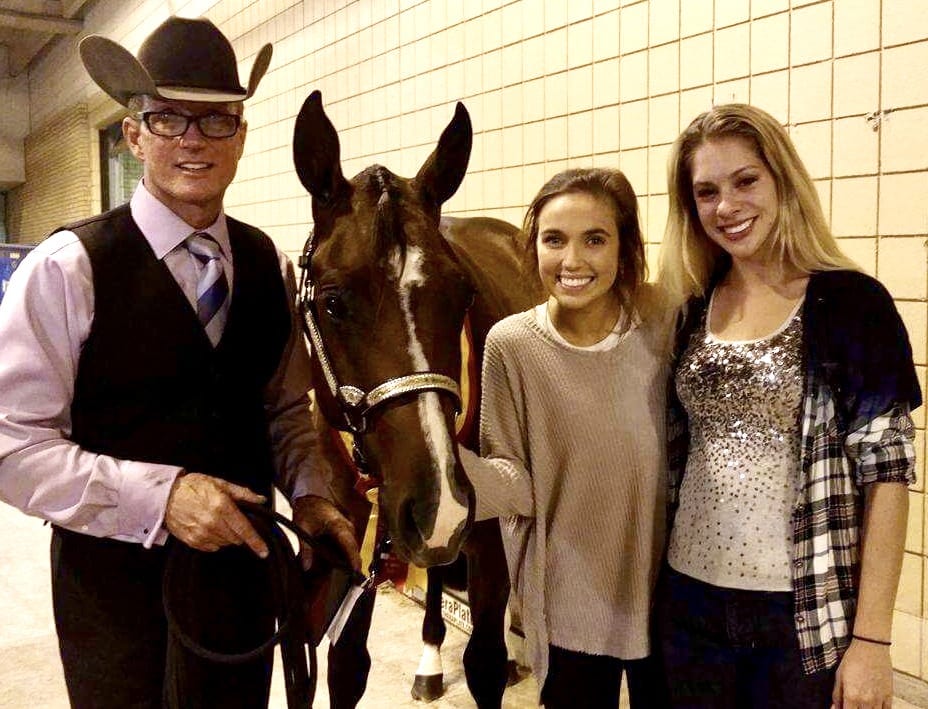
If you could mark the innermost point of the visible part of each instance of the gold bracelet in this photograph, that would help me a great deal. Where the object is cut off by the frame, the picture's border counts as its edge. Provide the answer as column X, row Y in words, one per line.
column 887, row 643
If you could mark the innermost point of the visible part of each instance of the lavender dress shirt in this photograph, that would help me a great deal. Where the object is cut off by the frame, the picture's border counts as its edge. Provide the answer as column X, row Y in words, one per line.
column 45, row 317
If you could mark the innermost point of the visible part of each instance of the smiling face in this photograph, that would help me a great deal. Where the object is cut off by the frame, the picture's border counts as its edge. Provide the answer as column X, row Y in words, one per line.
column 736, row 197
column 578, row 252
column 189, row 173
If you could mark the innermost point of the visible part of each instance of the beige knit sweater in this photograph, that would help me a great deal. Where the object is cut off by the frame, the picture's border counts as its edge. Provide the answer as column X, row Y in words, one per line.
column 573, row 446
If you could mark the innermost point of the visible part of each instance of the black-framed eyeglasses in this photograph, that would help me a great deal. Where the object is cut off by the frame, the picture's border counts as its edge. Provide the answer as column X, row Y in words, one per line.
column 168, row 124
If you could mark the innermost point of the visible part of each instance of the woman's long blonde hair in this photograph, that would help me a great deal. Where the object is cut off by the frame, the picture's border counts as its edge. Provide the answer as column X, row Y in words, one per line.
column 800, row 238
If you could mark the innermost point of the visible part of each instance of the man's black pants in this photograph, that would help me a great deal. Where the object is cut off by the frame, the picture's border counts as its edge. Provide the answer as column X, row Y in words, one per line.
column 112, row 631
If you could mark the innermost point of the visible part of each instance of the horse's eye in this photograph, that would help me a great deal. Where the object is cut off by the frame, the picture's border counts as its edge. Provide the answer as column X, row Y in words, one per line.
column 334, row 305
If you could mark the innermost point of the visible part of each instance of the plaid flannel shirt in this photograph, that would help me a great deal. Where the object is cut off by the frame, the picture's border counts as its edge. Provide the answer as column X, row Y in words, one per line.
column 859, row 386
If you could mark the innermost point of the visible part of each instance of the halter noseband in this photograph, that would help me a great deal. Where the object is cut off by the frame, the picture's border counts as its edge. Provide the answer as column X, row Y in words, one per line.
column 358, row 405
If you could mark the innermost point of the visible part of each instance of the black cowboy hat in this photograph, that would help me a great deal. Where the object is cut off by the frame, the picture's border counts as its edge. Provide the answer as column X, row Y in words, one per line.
column 183, row 59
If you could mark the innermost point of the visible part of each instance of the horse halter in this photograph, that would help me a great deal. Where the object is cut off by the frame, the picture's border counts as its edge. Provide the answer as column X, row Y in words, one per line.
column 358, row 405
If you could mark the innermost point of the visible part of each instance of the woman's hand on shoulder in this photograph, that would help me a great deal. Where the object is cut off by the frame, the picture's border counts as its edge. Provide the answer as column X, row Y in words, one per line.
column 865, row 678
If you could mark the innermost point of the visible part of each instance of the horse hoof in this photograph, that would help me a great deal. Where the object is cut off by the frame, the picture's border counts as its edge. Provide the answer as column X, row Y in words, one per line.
column 427, row 688
column 515, row 673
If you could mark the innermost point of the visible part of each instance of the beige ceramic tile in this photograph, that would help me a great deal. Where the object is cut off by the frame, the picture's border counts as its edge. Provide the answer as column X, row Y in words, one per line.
column 512, row 186
column 606, row 82
column 556, row 51
column 813, row 142
column 904, row 204
column 762, row 8
column 556, row 13
column 578, row 11
column 510, row 21
column 533, row 17
column 736, row 91
column 633, row 76
column 856, row 148
column 905, row 80
column 914, row 534
column 861, row 251
column 634, row 163
column 918, row 416
column 580, row 134
column 914, row 315
column 512, row 147
column 857, row 26
column 664, row 21
column 696, row 61
column 732, row 52
column 920, row 471
column 580, row 89
column 811, row 31
column 731, row 12
column 771, row 93
column 853, row 206
column 606, row 129
column 770, row 43
column 533, row 142
column 823, row 190
column 634, row 122
column 606, row 36
column 810, row 93
column 633, row 28
column 664, row 117
column 556, row 139
column 696, row 17
column 903, row 266
column 664, row 69
column 656, row 220
column 556, row 95
column 533, row 57
column 909, row 593
column 906, row 647
column 512, row 105
column 904, row 140
column 694, row 102
column 904, row 21
column 657, row 169
column 580, row 43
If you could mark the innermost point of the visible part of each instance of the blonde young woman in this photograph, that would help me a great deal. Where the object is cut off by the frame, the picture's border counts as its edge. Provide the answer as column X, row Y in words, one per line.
column 792, row 441
column 572, row 430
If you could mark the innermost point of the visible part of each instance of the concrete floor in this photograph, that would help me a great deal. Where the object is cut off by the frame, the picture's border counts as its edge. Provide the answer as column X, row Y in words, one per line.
column 30, row 673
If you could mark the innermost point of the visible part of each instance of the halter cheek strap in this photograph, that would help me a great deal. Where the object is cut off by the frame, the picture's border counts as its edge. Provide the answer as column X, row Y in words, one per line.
column 357, row 405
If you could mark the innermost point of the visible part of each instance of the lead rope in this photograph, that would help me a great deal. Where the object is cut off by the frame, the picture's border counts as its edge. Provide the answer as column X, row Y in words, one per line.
column 286, row 581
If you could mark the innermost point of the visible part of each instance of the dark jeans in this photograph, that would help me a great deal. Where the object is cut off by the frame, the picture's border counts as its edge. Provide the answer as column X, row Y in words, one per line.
column 112, row 631
column 576, row 679
column 727, row 648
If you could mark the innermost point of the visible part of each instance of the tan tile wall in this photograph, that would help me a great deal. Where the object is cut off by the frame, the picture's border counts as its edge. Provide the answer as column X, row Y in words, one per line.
column 551, row 84
column 57, row 174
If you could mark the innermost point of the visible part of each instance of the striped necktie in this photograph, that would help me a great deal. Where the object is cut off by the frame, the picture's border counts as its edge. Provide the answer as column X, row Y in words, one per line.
column 212, row 284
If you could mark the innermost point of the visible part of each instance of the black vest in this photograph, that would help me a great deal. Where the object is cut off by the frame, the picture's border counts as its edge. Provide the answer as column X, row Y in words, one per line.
column 150, row 386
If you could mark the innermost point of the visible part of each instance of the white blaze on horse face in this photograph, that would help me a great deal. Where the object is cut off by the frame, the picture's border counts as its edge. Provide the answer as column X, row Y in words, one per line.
column 451, row 514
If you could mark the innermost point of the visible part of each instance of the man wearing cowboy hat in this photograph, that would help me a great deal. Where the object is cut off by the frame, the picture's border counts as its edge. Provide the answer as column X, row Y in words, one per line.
column 153, row 376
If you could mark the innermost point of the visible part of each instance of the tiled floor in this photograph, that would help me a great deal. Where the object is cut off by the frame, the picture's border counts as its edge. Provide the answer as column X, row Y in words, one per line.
column 30, row 675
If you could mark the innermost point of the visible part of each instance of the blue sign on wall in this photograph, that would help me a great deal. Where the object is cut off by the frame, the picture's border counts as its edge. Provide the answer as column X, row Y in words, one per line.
column 10, row 257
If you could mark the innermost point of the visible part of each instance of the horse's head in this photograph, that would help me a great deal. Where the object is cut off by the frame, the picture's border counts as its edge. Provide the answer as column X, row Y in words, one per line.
column 388, row 299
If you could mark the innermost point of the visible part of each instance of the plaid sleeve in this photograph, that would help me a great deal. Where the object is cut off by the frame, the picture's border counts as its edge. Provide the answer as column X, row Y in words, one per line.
column 883, row 449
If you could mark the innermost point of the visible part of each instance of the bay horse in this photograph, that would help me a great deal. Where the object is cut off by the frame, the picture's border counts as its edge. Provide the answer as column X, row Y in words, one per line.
column 389, row 283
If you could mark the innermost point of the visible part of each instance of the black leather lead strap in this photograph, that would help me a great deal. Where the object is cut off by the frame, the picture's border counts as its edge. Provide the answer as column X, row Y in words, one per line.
column 286, row 585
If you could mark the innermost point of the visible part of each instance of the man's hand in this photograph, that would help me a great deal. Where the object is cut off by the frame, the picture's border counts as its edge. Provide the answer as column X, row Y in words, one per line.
column 320, row 518
column 202, row 513
column 865, row 678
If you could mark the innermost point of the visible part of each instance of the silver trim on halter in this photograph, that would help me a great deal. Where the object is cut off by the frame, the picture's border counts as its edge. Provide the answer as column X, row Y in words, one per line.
column 356, row 404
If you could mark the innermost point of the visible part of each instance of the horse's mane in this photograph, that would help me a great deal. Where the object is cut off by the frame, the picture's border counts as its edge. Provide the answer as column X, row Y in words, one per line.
column 387, row 232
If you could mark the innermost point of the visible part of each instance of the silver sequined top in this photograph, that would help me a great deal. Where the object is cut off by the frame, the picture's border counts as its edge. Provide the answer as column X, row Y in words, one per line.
column 743, row 400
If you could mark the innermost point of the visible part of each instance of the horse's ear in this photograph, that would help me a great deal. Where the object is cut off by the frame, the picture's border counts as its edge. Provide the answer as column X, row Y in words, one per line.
column 442, row 173
column 316, row 152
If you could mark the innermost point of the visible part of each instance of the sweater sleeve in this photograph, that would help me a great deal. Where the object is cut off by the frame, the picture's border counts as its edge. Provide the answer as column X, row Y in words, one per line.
column 501, row 479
